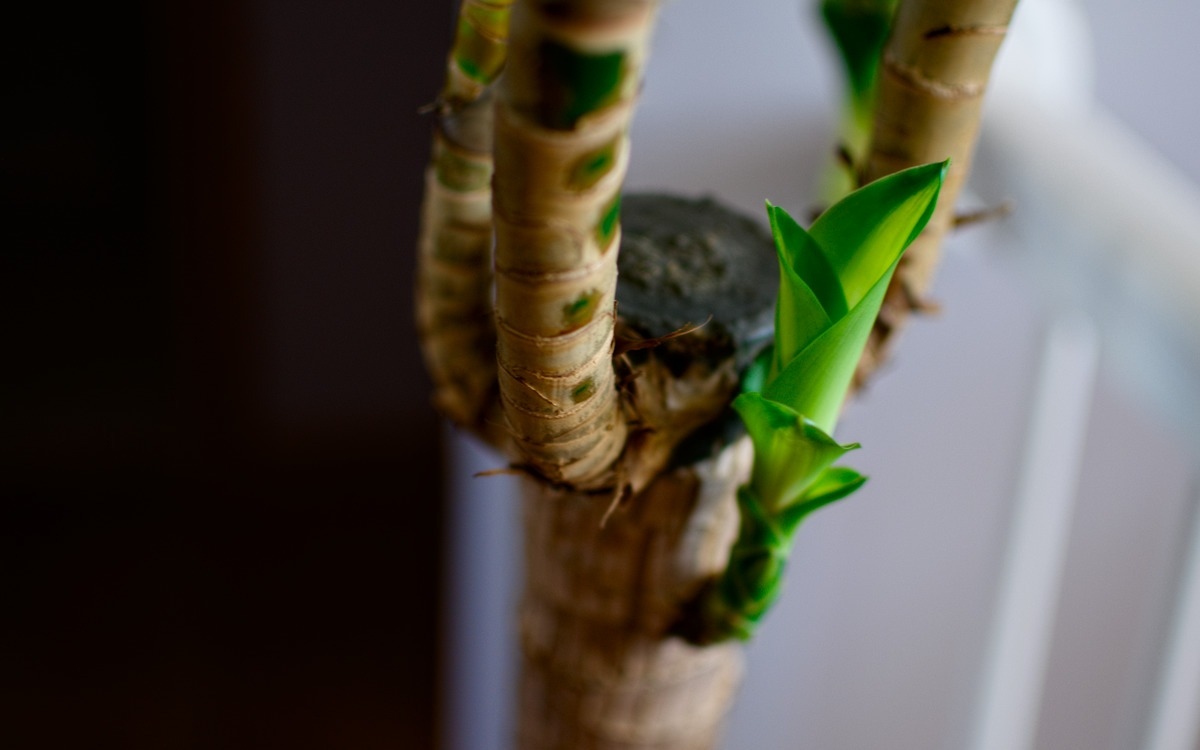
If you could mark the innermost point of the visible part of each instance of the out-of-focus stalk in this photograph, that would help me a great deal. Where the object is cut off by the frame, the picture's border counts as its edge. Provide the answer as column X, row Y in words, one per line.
column 860, row 29
column 454, row 266
column 933, row 75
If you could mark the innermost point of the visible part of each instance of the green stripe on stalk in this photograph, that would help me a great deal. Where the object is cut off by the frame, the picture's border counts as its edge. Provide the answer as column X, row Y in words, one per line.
column 574, row 84
column 606, row 228
column 479, row 56
column 583, row 391
column 580, row 311
column 593, row 166
column 480, row 48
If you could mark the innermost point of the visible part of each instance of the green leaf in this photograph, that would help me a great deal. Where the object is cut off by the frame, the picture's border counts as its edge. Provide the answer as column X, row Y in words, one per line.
column 809, row 292
column 754, row 575
column 864, row 233
column 835, row 483
column 790, row 452
column 860, row 240
column 754, row 379
column 803, row 257
column 860, row 30
column 815, row 382
column 832, row 283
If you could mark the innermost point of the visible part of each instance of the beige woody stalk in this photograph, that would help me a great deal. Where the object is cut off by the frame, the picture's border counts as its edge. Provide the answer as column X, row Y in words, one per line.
column 598, row 669
column 562, row 119
column 454, row 272
column 933, row 75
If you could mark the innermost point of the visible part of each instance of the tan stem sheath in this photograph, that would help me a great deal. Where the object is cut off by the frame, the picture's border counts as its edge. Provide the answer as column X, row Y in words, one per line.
column 454, row 267
column 454, row 257
column 559, row 167
column 479, row 51
column 932, row 80
column 598, row 671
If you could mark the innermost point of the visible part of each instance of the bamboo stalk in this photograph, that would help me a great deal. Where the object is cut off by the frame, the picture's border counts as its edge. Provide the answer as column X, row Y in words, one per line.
column 562, row 120
column 599, row 671
column 480, row 50
column 454, row 260
column 934, row 73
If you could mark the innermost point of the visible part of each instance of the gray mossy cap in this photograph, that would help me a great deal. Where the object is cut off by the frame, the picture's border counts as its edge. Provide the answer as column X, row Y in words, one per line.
column 683, row 260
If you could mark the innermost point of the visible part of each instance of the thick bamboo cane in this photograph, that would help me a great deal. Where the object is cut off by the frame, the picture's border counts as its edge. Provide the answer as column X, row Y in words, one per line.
column 935, row 70
column 562, row 120
column 599, row 671
column 454, row 261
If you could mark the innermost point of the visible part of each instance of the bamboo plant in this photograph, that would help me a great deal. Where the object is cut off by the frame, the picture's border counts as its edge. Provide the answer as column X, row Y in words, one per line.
column 644, row 570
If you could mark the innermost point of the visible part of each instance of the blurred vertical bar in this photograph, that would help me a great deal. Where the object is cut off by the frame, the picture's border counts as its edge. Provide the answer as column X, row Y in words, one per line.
column 1175, row 714
column 483, row 564
column 1027, row 598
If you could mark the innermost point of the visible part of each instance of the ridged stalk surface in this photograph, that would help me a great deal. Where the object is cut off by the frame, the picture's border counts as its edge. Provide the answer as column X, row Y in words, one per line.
column 454, row 260
column 561, row 139
column 933, row 76
column 599, row 669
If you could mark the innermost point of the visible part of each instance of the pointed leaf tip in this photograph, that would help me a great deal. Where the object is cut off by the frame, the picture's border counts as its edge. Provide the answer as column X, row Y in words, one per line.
column 858, row 242
column 865, row 232
column 832, row 485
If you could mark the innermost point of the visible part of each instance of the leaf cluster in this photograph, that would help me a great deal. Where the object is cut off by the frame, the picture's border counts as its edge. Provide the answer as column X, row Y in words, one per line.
column 833, row 278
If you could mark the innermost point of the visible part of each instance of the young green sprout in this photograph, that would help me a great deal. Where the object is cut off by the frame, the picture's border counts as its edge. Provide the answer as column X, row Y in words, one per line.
column 832, row 281
column 860, row 29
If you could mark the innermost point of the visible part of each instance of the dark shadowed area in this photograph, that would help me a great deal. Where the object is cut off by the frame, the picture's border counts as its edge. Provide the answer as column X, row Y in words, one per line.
column 220, row 513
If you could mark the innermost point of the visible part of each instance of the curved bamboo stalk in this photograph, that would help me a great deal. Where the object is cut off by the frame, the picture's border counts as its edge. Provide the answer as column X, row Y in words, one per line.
column 934, row 73
column 562, row 119
column 454, row 265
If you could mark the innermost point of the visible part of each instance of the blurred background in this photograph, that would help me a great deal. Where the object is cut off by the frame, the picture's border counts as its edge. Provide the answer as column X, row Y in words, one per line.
column 220, row 478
